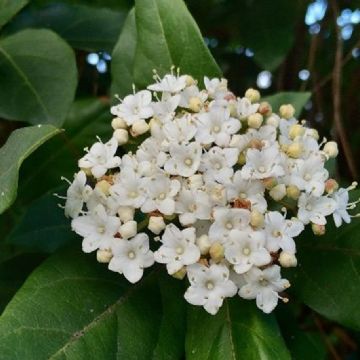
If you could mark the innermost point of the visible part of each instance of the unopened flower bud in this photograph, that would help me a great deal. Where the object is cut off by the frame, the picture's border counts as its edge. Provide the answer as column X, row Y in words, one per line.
column 195, row 104
column 287, row 111
column 203, row 244
column 273, row 120
column 331, row 149
column 216, row 252
column 331, row 185
column 128, row 230
column 293, row 192
column 278, row 192
column 318, row 229
column 242, row 158
column 190, row 80
column 287, row 260
column 294, row 150
column 156, row 224
column 139, row 127
column 252, row 95
column 256, row 219
column 122, row 136
column 265, row 108
column 255, row 120
column 255, row 144
column 126, row 213
column 180, row 274
column 295, row 131
column 118, row 123
column 104, row 256
column 103, row 186
column 233, row 110
column 269, row 183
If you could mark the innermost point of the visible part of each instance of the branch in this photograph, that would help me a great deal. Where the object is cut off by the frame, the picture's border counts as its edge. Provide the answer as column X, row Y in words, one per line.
column 336, row 90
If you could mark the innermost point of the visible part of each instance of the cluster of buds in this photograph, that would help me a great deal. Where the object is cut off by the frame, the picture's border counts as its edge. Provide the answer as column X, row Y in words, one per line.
column 201, row 193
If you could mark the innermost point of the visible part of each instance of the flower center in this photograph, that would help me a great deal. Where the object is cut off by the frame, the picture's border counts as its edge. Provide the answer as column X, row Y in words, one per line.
column 262, row 169
column 229, row 225
column 101, row 229
column 209, row 285
column 131, row 255
column 188, row 162
column 217, row 166
column 276, row 233
column 162, row 196
column 307, row 177
column 308, row 207
column 133, row 194
column 179, row 250
column 243, row 195
column 263, row 281
column 216, row 129
column 246, row 251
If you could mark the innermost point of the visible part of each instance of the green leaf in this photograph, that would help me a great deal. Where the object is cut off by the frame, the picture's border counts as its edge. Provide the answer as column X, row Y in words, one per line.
column 238, row 331
column 166, row 35
column 328, row 275
column 123, row 57
column 20, row 145
column 297, row 99
column 38, row 77
column 73, row 308
column 59, row 157
column 84, row 27
column 43, row 227
column 9, row 8
column 266, row 31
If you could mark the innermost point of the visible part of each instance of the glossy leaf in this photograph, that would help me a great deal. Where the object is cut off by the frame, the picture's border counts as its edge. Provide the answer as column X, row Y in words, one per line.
column 43, row 227
column 9, row 8
column 122, row 64
column 84, row 27
column 20, row 145
column 328, row 275
column 297, row 99
column 238, row 331
column 77, row 309
column 38, row 77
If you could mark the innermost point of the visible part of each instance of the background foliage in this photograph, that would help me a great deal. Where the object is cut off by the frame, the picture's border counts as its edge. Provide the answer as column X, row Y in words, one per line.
column 61, row 62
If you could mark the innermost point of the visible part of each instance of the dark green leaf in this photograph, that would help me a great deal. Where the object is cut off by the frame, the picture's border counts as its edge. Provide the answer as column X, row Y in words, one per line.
column 38, row 77
column 297, row 99
column 73, row 308
column 8, row 8
column 238, row 331
column 328, row 275
column 122, row 64
column 83, row 27
column 43, row 226
column 20, row 145
column 266, row 30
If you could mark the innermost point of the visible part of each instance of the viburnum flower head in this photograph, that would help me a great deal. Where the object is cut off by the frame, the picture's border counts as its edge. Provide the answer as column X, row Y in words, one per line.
column 218, row 189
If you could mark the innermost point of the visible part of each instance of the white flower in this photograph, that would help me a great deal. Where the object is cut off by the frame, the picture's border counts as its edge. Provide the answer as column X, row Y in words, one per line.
column 169, row 83
column 341, row 198
column 227, row 220
column 131, row 257
column 217, row 164
column 129, row 189
column 178, row 248
column 245, row 249
column 315, row 209
column 251, row 190
column 209, row 286
column 160, row 194
column 134, row 107
column 192, row 94
column 244, row 108
column 264, row 286
column 100, row 158
column 280, row 232
column 216, row 126
column 77, row 193
column 309, row 175
column 181, row 130
column 184, row 159
column 193, row 205
column 98, row 229
column 164, row 110
column 216, row 88
column 262, row 164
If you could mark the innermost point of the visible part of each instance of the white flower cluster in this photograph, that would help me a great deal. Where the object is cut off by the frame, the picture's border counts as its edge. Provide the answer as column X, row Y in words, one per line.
column 224, row 183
